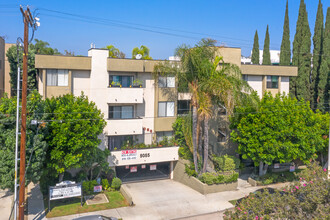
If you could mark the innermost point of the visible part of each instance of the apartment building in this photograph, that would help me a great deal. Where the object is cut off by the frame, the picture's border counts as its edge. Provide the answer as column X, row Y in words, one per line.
column 137, row 108
column 5, row 86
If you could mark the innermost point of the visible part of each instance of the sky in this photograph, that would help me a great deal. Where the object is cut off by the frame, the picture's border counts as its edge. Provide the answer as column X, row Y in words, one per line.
column 158, row 24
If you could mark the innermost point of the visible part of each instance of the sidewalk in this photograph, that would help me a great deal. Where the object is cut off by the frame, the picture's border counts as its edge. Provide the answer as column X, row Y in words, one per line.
column 6, row 202
column 36, row 209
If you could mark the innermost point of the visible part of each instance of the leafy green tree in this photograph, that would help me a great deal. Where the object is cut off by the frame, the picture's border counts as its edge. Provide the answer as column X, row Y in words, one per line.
column 266, row 52
column 40, row 47
column 115, row 52
column 35, row 139
column 143, row 50
column 282, row 129
column 255, row 50
column 74, row 126
column 317, row 54
column 300, row 85
column 285, row 55
column 324, row 77
column 96, row 163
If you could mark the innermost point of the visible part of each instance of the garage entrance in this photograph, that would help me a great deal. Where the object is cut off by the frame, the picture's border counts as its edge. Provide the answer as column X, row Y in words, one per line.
column 141, row 172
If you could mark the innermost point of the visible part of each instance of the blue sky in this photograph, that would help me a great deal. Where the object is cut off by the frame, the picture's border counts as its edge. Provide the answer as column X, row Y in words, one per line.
column 231, row 22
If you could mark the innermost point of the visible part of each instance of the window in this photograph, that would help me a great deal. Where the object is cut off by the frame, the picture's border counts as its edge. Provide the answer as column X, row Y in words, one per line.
column 116, row 142
column 166, row 81
column 222, row 134
column 183, row 107
column 161, row 134
column 165, row 109
column 245, row 77
column 272, row 82
column 57, row 77
column 121, row 112
column 124, row 81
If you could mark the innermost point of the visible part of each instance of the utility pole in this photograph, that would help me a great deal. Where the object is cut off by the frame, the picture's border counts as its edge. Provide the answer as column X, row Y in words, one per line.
column 28, row 21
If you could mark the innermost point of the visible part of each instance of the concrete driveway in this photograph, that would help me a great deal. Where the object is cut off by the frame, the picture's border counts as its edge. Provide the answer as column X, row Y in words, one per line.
column 168, row 199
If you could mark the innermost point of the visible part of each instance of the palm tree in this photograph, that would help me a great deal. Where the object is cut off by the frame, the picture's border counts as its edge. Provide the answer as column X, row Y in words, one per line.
column 209, row 84
column 143, row 50
column 115, row 52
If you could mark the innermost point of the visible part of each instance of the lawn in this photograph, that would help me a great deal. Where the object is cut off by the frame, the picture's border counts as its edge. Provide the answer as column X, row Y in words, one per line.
column 72, row 205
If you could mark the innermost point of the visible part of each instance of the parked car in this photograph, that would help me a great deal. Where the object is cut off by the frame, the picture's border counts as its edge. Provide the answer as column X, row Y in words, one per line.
column 95, row 217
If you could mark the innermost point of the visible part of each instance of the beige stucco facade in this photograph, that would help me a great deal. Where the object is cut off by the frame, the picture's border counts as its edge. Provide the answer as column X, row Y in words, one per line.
column 91, row 76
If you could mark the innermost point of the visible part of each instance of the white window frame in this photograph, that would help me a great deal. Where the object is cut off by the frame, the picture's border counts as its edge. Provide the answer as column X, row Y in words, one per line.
column 169, row 110
column 57, row 77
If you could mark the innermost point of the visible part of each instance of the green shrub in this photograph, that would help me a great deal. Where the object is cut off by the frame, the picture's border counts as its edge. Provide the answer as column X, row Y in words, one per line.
column 208, row 178
column 225, row 163
column 116, row 183
column 306, row 198
column 270, row 178
column 88, row 187
column 218, row 178
column 185, row 153
column 105, row 184
column 231, row 178
column 190, row 170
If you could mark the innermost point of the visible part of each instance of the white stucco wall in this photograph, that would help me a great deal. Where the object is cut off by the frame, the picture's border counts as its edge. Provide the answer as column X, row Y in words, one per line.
column 285, row 87
column 99, row 80
column 256, row 83
column 80, row 82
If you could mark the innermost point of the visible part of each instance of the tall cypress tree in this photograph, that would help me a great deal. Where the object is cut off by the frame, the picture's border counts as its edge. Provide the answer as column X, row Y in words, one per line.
column 324, row 83
column 317, row 51
column 300, row 86
column 266, row 53
column 285, row 55
column 255, row 50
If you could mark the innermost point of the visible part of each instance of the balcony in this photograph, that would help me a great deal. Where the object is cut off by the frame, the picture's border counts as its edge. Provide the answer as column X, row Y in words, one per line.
column 123, row 95
column 143, row 156
column 124, row 126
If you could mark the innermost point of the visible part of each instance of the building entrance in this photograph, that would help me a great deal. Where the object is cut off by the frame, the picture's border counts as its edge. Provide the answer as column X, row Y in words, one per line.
column 141, row 172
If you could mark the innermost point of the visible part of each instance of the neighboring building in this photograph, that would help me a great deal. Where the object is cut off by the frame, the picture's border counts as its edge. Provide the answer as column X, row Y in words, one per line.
column 4, row 69
column 246, row 60
column 7, row 71
column 274, row 56
column 141, row 110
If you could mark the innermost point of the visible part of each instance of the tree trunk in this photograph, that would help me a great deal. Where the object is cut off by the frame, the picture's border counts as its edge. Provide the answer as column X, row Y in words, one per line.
column 262, row 168
column 195, row 137
column 60, row 177
column 206, row 143
column 200, row 140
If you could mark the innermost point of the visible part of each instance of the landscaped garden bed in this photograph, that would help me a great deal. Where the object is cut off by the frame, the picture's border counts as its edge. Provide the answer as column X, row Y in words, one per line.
column 306, row 198
column 73, row 205
column 274, row 177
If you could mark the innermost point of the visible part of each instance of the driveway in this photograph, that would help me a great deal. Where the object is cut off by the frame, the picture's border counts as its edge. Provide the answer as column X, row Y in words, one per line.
column 168, row 199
